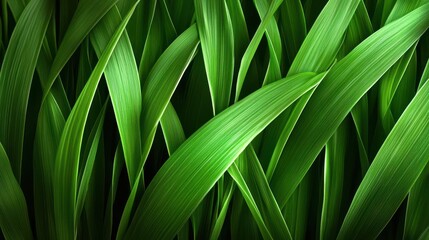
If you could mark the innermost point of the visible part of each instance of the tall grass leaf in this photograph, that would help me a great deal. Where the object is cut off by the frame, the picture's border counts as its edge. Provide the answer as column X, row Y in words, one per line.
column 118, row 162
column 217, row 45
column 382, row 12
column 243, row 224
column 86, row 16
column 349, row 79
column 196, row 98
column 425, row 234
column 174, row 137
column 172, row 129
column 257, row 188
column 94, row 142
column 389, row 83
column 156, row 94
column 217, row 228
column 182, row 13
column 16, row 7
column 50, row 125
column 248, row 198
column 292, row 26
column 416, row 220
column 272, row 34
column 14, row 221
column 335, row 159
column 157, row 91
column 395, row 169
column 241, row 34
column 215, row 32
column 241, row 42
column 297, row 209
column 44, row 62
column 160, row 34
column 253, row 46
column 406, row 89
column 425, row 75
column 67, row 160
column 124, row 87
column 16, row 77
column 359, row 29
column 328, row 30
column 312, row 9
column 65, row 14
column 402, row 7
column 188, row 177
column 394, row 77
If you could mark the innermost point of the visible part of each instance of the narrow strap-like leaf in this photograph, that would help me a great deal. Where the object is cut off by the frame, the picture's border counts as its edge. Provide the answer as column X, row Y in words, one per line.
column 161, row 83
column 87, row 14
column 67, row 160
column 217, row 45
column 124, row 87
column 344, row 85
column 253, row 46
column 17, row 74
column 395, row 169
column 14, row 221
column 187, row 176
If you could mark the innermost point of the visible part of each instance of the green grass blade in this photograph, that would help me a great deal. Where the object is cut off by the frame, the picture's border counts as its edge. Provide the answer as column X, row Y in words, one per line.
column 124, row 87
column 87, row 15
column 14, row 221
column 416, row 220
column 313, row 56
column 94, row 142
column 257, row 188
column 335, row 159
column 217, row 45
column 328, row 30
column 382, row 11
column 388, row 87
column 272, row 34
column 235, row 173
column 425, row 234
column 161, row 34
column 182, row 13
column 172, row 129
column 157, row 91
column 67, row 160
column 174, row 136
column 50, row 125
column 224, row 210
column 297, row 209
column 349, row 79
column 425, row 75
column 118, row 162
column 292, row 26
column 16, row 77
column 196, row 98
column 360, row 28
column 251, row 49
column 395, row 169
column 156, row 96
column 210, row 144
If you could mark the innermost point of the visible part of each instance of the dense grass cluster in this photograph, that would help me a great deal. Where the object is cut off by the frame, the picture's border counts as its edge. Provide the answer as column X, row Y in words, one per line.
column 207, row 119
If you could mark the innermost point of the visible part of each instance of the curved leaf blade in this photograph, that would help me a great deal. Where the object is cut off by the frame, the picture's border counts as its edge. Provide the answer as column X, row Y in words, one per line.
column 14, row 221
column 342, row 88
column 395, row 169
column 67, row 159
column 186, row 177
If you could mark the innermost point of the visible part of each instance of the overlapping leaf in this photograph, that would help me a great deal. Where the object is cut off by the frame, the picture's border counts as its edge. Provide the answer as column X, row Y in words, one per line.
column 187, row 175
